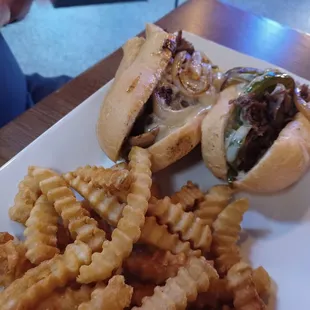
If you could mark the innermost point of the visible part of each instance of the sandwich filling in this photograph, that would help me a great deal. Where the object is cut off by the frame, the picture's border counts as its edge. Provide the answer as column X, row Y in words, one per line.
column 262, row 110
column 305, row 92
column 188, row 88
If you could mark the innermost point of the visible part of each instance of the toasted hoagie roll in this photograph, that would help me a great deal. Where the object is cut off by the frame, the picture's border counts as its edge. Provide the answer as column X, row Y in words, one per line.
column 255, row 137
column 161, row 92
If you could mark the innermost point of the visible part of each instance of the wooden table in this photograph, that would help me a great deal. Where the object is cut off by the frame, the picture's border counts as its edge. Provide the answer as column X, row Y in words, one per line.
column 210, row 19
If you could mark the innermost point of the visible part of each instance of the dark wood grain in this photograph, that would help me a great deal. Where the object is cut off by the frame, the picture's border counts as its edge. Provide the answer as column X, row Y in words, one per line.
column 226, row 25
column 68, row 3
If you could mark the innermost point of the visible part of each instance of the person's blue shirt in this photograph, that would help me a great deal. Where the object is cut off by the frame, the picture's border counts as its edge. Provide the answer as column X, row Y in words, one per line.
column 14, row 97
column 17, row 91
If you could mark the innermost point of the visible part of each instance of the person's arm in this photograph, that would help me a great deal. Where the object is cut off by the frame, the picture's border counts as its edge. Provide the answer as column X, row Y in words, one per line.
column 5, row 14
column 13, row 10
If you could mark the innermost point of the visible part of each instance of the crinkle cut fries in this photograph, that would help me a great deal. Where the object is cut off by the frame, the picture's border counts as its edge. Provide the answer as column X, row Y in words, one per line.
column 124, row 248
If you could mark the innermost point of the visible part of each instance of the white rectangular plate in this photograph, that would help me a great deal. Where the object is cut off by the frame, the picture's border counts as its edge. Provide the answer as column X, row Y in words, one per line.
column 275, row 228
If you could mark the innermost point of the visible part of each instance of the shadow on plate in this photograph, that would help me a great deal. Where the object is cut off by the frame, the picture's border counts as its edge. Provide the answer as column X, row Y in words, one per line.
column 190, row 167
column 247, row 239
column 254, row 233
column 290, row 205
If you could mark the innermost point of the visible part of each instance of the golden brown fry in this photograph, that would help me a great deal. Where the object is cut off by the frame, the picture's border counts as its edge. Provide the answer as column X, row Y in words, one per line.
column 141, row 290
column 113, row 180
column 13, row 261
column 226, row 229
column 191, row 279
column 39, row 282
column 41, row 232
column 158, row 235
column 63, row 237
column 262, row 281
column 66, row 299
column 81, row 226
column 216, row 199
column 186, row 224
column 116, row 295
column 5, row 237
column 155, row 190
column 120, row 166
column 128, row 229
column 28, row 193
column 188, row 196
column 105, row 204
column 85, row 203
column 241, row 283
column 220, row 293
column 217, row 294
column 156, row 267
column 102, row 223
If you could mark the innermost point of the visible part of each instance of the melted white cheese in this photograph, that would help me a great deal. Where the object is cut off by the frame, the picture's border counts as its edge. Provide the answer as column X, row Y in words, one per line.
column 234, row 142
column 169, row 120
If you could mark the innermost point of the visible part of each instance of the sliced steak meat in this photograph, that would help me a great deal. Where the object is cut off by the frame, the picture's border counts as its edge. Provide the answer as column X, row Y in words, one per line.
column 183, row 45
column 171, row 45
column 267, row 116
column 305, row 92
column 165, row 93
column 253, row 111
column 254, row 147
column 289, row 106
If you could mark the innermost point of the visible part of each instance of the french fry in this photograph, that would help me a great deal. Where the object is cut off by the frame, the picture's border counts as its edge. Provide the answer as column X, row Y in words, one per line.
column 39, row 282
column 63, row 237
column 28, row 192
column 120, row 166
column 113, row 180
column 141, row 290
column 41, row 232
column 105, row 204
column 13, row 261
column 187, row 196
column 116, row 295
column 191, row 279
column 102, row 223
column 220, row 292
column 5, row 237
column 186, row 224
column 214, row 202
column 155, row 267
column 262, row 281
column 128, row 229
column 158, row 235
column 86, row 204
column 81, row 226
column 155, row 190
column 241, row 283
column 217, row 294
column 66, row 299
column 226, row 229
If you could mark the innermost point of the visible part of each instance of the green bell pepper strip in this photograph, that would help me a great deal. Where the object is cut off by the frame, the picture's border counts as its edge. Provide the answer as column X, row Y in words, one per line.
column 239, row 75
column 268, row 80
